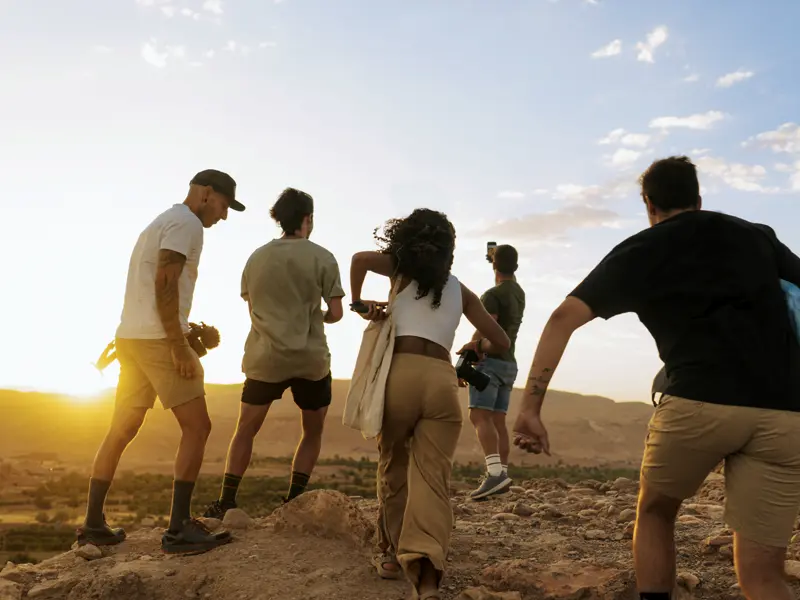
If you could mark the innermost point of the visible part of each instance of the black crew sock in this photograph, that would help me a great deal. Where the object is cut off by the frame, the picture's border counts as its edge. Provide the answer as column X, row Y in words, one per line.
column 181, row 504
column 297, row 485
column 654, row 596
column 98, row 490
column 230, row 485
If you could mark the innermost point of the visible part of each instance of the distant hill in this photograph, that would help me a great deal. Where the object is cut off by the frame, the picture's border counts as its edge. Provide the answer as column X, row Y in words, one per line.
column 583, row 429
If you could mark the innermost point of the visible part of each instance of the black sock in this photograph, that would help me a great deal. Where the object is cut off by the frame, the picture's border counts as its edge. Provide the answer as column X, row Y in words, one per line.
column 298, row 484
column 181, row 504
column 654, row 596
column 230, row 485
column 98, row 490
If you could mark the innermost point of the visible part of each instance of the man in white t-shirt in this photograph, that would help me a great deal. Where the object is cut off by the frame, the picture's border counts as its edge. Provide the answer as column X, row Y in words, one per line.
column 156, row 360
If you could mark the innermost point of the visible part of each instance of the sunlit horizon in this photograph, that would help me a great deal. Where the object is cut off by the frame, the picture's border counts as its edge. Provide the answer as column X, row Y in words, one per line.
column 527, row 122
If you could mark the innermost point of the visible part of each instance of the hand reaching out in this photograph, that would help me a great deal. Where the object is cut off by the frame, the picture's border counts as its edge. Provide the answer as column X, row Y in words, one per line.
column 530, row 433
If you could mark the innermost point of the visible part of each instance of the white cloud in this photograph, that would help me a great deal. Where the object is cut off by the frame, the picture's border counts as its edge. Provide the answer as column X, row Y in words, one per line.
column 213, row 6
column 237, row 48
column 511, row 194
column 698, row 121
column 785, row 138
column 169, row 11
column 730, row 79
column 655, row 39
column 152, row 2
column 620, row 136
column 612, row 49
column 784, row 168
column 746, row 178
column 101, row 49
column 195, row 63
column 210, row 54
column 625, row 157
column 188, row 12
column 555, row 224
column 539, row 192
column 159, row 58
column 699, row 151
column 692, row 78
column 268, row 44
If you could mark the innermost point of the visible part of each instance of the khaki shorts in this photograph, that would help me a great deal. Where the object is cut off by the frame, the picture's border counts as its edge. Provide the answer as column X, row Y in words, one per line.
column 761, row 449
column 146, row 371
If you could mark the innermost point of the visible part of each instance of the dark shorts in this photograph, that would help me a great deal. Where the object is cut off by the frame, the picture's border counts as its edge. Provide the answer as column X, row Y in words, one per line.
column 308, row 395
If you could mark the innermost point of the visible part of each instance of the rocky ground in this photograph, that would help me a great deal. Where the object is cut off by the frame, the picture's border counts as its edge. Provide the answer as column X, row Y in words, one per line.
column 543, row 540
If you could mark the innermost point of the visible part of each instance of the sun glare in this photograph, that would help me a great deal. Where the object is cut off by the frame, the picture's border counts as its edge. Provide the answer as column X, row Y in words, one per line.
column 89, row 385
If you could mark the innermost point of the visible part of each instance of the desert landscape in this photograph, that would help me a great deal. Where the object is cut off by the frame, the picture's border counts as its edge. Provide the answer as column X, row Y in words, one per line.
column 562, row 532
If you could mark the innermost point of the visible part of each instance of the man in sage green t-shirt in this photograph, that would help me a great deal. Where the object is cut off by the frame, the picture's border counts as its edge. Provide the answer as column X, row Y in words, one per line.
column 284, row 283
column 488, row 408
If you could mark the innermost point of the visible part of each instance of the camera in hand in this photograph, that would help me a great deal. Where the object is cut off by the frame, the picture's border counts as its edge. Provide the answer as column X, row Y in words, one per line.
column 466, row 371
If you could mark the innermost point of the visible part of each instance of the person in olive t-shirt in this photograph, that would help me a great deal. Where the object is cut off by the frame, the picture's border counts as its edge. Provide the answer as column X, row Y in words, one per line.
column 284, row 283
column 488, row 408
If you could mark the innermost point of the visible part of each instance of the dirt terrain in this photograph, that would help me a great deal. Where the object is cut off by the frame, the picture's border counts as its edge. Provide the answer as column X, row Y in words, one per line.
column 543, row 540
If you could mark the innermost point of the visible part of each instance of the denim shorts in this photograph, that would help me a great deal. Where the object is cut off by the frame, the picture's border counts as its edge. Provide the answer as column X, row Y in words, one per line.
column 497, row 395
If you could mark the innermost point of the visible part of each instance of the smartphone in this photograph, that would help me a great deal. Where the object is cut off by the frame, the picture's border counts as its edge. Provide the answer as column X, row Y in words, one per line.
column 490, row 248
column 360, row 307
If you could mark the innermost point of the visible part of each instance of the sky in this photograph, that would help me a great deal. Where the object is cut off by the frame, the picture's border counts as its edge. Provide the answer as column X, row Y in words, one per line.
column 527, row 121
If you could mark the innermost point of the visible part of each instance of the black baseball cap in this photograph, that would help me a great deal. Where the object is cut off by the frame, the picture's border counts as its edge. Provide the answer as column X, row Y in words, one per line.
column 221, row 183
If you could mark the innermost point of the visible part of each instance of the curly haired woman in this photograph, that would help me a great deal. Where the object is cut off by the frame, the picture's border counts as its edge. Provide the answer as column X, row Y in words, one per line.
column 422, row 414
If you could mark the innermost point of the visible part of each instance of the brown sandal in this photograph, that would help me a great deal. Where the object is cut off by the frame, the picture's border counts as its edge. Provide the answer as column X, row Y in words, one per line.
column 384, row 559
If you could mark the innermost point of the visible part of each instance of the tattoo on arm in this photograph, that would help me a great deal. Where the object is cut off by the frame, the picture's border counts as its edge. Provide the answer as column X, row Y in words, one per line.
column 168, row 272
column 538, row 380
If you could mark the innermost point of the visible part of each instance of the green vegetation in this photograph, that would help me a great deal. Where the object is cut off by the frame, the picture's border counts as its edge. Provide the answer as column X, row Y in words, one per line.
column 136, row 496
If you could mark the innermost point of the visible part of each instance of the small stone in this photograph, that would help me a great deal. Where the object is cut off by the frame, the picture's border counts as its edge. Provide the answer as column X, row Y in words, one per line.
column 595, row 534
column 629, row 529
column 506, row 517
column 236, row 518
column 483, row 593
column 688, row 580
column 523, row 510
column 792, row 568
column 626, row 515
column 89, row 552
column 146, row 557
column 623, row 483
column 719, row 540
column 515, row 489
column 480, row 555
column 170, row 572
column 690, row 520
column 587, row 513
column 726, row 551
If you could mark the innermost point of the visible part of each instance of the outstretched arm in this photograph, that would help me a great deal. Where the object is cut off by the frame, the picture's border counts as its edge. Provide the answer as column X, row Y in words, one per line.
column 565, row 320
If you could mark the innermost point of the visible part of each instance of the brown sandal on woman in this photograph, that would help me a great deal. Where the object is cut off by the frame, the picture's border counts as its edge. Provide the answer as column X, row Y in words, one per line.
column 386, row 559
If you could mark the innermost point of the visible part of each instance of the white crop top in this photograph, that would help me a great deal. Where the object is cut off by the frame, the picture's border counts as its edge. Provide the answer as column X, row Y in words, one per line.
column 420, row 319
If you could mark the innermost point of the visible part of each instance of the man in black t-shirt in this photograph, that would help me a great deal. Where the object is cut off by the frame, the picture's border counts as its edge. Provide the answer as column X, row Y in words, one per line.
column 707, row 287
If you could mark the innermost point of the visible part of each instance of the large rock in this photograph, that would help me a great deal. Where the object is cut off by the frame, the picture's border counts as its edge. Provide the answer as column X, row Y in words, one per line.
column 481, row 593
column 89, row 552
column 563, row 579
column 10, row 590
column 325, row 513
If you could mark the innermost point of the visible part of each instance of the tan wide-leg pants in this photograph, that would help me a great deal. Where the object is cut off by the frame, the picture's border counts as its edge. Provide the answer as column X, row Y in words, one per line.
column 421, row 426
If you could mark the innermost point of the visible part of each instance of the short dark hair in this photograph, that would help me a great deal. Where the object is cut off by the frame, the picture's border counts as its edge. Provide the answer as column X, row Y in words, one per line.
column 291, row 208
column 671, row 184
column 505, row 259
